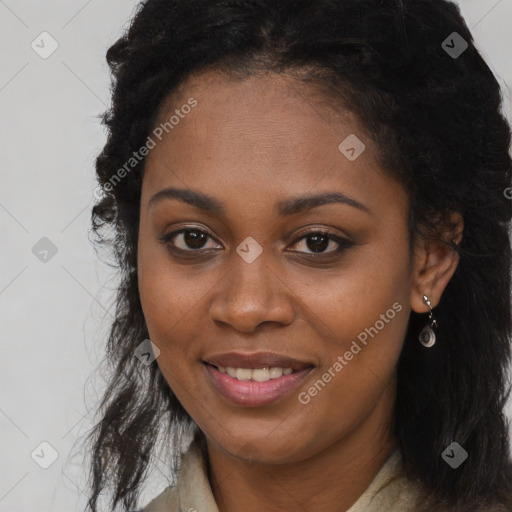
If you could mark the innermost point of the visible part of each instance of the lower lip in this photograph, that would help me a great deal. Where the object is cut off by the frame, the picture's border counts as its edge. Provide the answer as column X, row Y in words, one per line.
column 251, row 393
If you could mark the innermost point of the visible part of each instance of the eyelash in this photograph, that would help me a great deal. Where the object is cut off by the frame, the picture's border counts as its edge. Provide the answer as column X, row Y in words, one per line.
column 343, row 243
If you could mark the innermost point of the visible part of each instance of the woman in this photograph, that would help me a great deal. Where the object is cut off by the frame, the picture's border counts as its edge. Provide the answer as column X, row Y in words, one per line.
column 311, row 224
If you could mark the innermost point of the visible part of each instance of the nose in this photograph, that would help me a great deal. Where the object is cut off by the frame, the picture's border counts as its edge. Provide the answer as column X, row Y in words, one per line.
column 252, row 294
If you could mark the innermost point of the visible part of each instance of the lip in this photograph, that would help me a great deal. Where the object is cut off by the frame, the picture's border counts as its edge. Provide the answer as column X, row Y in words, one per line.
column 250, row 393
column 256, row 360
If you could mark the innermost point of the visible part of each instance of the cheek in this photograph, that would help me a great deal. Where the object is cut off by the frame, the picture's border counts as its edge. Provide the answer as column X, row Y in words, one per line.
column 364, row 317
column 366, row 311
column 359, row 350
column 163, row 300
column 173, row 299
column 170, row 301
column 373, row 296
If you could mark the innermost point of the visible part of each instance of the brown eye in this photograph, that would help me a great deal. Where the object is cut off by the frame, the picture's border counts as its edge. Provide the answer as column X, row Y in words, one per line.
column 194, row 239
column 188, row 239
column 318, row 241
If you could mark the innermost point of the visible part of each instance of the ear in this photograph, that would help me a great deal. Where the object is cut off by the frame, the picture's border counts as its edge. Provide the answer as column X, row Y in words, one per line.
column 435, row 261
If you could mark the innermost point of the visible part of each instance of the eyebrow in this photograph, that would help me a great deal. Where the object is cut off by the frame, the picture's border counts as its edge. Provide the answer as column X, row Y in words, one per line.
column 289, row 206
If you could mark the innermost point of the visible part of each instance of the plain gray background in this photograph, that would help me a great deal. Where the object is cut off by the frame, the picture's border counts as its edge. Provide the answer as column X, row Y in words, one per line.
column 55, row 314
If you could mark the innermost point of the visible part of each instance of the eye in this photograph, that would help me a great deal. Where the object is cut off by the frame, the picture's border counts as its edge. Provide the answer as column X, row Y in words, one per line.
column 188, row 240
column 317, row 241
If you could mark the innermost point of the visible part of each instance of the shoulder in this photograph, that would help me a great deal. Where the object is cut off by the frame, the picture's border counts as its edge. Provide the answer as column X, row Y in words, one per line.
column 391, row 489
column 394, row 490
column 192, row 490
column 167, row 501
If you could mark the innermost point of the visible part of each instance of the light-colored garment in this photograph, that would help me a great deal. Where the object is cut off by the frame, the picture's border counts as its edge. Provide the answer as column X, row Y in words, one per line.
column 390, row 490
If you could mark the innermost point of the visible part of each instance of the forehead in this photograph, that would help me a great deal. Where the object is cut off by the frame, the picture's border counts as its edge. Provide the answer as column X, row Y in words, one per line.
column 267, row 134
column 267, row 104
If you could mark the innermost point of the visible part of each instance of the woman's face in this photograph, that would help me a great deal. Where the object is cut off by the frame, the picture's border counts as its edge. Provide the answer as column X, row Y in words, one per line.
column 246, row 277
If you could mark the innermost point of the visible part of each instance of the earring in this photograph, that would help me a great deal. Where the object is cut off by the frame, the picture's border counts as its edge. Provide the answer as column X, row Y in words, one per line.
column 427, row 334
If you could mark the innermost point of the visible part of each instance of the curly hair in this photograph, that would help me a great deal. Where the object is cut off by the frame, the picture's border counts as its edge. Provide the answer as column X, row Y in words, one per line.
column 440, row 130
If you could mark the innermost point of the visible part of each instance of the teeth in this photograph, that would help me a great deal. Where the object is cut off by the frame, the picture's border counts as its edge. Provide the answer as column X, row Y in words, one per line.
column 257, row 374
column 243, row 374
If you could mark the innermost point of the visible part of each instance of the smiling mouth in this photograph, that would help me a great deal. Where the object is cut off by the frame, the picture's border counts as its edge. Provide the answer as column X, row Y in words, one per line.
column 256, row 374
column 255, row 387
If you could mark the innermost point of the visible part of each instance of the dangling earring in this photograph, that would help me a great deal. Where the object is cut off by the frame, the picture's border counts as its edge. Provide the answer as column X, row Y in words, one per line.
column 427, row 334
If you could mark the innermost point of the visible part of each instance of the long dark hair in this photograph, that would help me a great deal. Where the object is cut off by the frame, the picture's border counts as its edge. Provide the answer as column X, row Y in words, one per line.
column 436, row 119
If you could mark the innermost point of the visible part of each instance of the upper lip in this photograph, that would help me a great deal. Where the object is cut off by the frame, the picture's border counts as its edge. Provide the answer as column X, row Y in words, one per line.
column 256, row 360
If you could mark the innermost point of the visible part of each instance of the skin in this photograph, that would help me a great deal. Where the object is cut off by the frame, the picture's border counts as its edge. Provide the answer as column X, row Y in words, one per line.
column 251, row 144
